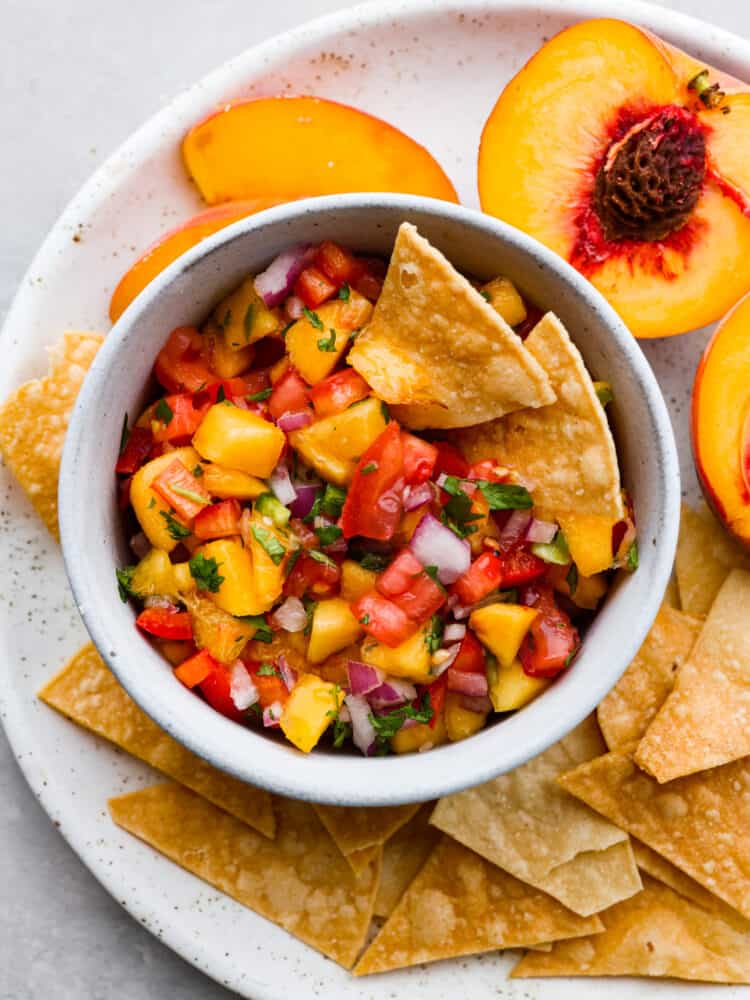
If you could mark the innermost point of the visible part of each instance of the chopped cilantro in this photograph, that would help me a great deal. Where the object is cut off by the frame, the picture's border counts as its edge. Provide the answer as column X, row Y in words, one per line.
column 328, row 534
column 176, row 530
column 291, row 561
column 288, row 327
column 458, row 515
column 385, row 411
column 434, row 637
column 152, row 503
column 452, row 486
column 604, row 392
column 193, row 495
column 125, row 582
column 571, row 656
column 432, row 572
column 163, row 412
column 485, row 295
column 227, row 319
column 269, row 542
column 321, row 557
column 342, row 731
column 310, row 607
column 572, row 578
column 267, row 670
column 328, row 344
column 386, row 726
column 262, row 632
column 374, row 561
column 367, row 469
column 631, row 560
column 345, row 292
column 505, row 496
column 330, row 502
column 312, row 318
column 258, row 397
column 247, row 322
column 364, row 620
column 124, row 434
column 205, row 572
column 221, row 395
column 198, row 471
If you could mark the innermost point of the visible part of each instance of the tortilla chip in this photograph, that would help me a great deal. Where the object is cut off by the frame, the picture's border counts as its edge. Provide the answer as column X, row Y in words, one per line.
column 360, row 861
column 699, row 823
column 705, row 721
column 403, row 856
column 672, row 594
column 354, row 828
column 705, row 556
column 626, row 712
column 523, row 823
column 656, row 933
column 460, row 905
column 565, row 451
column 88, row 693
column 434, row 341
column 34, row 419
column 299, row 880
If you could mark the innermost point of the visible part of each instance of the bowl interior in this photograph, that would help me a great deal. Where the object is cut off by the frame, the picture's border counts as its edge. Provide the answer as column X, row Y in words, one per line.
column 93, row 542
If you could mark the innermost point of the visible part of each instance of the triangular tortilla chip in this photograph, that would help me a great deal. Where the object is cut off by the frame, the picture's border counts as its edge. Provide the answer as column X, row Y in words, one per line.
column 626, row 712
column 656, row 933
column 699, row 823
column 359, row 861
column 705, row 556
column 355, row 828
column 34, row 419
column 705, row 721
column 434, row 341
column 460, row 905
column 672, row 594
column 299, row 880
column 564, row 451
column 586, row 864
column 86, row 692
column 403, row 856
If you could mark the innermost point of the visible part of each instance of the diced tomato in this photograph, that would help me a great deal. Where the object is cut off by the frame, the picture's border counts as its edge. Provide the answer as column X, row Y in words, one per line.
column 135, row 452
column 521, row 566
column 165, row 623
column 290, row 395
column 180, row 365
column 187, row 412
column 367, row 277
column 450, row 460
column 218, row 520
column 240, row 386
column 533, row 315
column 335, row 262
column 217, row 690
column 181, row 490
column 268, row 351
column 309, row 576
column 470, row 659
column 337, row 392
column 313, row 287
column 123, row 493
column 419, row 458
column 382, row 619
column 550, row 643
column 373, row 506
column 270, row 687
column 488, row 470
column 436, row 691
column 196, row 668
column 410, row 587
column 483, row 576
column 397, row 577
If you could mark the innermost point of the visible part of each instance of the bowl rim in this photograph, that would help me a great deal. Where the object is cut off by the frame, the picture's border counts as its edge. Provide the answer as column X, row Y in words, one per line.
column 342, row 779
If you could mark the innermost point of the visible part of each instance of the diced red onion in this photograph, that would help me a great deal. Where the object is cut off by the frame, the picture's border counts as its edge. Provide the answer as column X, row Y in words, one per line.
column 481, row 703
column 440, row 481
column 474, row 685
column 291, row 615
column 158, row 601
column 338, row 547
column 443, row 659
column 363, row 678
column 242, row 688
column 460, row 613
column 140, row 545
column 287, row 671
column 409, row 723
column 453, row 633
column 282, row 486
column 389, row 502
column 294, row 307
column 516, row 527
column 434, row 544
column 541, row 531
column 272, row 715
column 275, row 283
column 306, row 494
column 344, row 714
column 294, row 421
column 363, row 731
column 417, row 496
column 392, row 692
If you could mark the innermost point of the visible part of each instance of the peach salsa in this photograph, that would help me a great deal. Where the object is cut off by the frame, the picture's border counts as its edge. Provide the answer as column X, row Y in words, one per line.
column 374, row 504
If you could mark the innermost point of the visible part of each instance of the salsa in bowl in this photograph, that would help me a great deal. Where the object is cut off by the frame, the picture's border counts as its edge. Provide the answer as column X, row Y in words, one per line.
column 370, row 502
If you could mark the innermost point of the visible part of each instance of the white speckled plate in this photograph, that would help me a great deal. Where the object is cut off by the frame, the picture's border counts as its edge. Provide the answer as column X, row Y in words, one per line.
column 434, row 69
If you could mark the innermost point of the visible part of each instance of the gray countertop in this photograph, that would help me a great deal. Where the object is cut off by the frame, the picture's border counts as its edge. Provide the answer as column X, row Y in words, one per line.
column 76, row 78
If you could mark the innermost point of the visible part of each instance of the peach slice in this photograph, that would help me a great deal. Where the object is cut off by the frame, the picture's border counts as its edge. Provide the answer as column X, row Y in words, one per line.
column 174, row 243
column 604, row 148
column 284, row 147
column 720, row 421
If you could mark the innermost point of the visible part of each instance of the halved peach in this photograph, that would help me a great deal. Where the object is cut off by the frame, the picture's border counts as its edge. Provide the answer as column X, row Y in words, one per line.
column 176, row 242
column 720, row 421
column 286, row 147
column 620, row 154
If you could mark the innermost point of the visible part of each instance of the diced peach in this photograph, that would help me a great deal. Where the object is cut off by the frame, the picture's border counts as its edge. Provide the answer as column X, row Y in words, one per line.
column 239, row 439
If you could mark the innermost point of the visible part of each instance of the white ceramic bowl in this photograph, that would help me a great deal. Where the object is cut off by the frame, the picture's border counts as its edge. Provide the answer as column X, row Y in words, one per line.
column 94, row 544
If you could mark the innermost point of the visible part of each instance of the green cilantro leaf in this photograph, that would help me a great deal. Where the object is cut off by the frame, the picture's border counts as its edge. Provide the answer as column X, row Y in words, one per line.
column 328, row 534
column 485, row 295
column 364, row 620
column 227, row 319
column 367, row 469
column 330, row 502
column 262, row 632
column 291, row 561
column 505, row 496
column 176, row 530
column 258, row 397
column 432, row 572
column 205, row 572
column 631, row 560
column 385, row 411
column 458, row 515
column 434, row 637
column 221, row 395
column 267, row 670
column 374, row 561
column 125, row 582
column 604, row 392
column 269, row 542
column 193, row 495
column 386, row 726
column 342, row 731
column 247, row 322
column 163, row 412
column 198, row 471
column 328, row 344
column 572, row 578
column 152, row 503
column 321, row 557
column 312, row 318
column 344, row 292
column 124, row 434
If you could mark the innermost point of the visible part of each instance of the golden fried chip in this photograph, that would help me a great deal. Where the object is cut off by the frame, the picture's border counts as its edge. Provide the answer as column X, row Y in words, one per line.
column 89, row 694
column 360, row 861
column 434, row 341
column 355, row 828
column 34, row 419
column 705, row 556
column 656, row 933
column 699, row 823
column 460, row 905
column 626, row 712
column 565, row 450
column 299, row 880
column 705, row 721
column 403, row 855
column 672, row 593
column 587, row 864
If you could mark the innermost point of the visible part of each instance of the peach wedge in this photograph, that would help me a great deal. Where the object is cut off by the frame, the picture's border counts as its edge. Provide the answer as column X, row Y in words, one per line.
column 287, row 147
column 627, row 158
